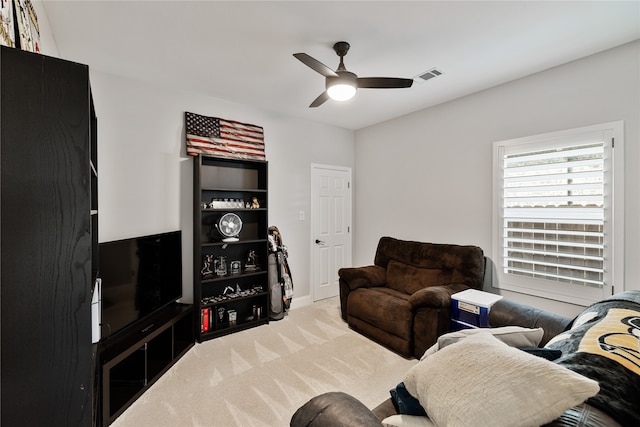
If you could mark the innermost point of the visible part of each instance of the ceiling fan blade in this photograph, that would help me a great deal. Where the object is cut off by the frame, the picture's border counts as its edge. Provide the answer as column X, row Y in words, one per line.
column 324, row 96
column 315, row 65
column 383, row 82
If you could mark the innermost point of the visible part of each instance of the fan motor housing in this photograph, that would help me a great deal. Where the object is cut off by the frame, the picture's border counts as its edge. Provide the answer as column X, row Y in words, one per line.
column 344, row 77
column 341, row 48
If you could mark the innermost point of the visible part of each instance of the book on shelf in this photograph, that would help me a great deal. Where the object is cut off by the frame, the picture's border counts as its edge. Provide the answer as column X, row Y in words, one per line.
column 204, row 326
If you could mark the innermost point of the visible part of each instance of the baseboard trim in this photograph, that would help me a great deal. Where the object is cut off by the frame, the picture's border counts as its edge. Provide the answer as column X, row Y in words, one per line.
column 298, row 302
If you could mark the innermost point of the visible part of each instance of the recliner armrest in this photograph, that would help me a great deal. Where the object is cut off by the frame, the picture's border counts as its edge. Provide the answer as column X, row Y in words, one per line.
column 436, row 296
column 334, row 409
column 363, row 277
column 510, row 313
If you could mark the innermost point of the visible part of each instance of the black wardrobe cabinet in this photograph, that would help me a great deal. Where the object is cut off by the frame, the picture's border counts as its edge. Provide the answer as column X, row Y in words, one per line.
column 47, row 237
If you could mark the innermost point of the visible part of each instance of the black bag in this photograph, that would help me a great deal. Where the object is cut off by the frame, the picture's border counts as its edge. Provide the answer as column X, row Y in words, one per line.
column 279, row 274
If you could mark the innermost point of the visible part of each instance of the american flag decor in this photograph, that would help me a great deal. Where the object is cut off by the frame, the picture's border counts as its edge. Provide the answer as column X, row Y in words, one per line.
column 216, row 137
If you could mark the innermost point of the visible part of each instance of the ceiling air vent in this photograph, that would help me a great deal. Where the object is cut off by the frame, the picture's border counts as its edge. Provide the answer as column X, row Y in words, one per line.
column 434, row 72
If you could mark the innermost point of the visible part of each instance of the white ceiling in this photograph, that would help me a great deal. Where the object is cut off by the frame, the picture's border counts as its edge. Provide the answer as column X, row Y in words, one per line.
column 241, row 51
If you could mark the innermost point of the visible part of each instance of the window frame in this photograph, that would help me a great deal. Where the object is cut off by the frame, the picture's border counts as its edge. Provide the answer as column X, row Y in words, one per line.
column 614, row 217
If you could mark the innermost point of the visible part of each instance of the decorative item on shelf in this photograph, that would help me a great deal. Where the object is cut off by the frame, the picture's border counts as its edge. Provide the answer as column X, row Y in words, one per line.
column 235, row 267
column 28, row 29
column 7, row 24
column 229, row 226
column 213, row 136
column 221, row 316
column 232, row 317
column 221, row 266
column 229, row 294
column 252, row 261
column 224, row 204
column 257, row 312
column 207, row 264
column 255, row 203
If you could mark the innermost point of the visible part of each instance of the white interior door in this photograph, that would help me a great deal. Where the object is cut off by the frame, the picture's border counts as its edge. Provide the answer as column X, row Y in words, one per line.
column 330, row 227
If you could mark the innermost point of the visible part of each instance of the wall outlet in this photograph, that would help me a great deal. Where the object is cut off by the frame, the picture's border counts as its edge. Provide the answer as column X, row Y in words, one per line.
column 301, row 215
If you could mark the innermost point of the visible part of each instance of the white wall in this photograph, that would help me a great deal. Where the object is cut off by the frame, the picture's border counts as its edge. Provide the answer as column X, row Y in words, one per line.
column 47, row 42
column 145, row 178
column 427, row 176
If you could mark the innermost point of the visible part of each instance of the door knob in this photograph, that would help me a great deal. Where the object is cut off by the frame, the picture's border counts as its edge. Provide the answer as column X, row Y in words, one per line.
column 319, row 242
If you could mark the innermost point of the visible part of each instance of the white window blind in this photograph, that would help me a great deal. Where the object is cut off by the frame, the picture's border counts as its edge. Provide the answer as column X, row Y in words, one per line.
column 554, row 210
column 554, row 214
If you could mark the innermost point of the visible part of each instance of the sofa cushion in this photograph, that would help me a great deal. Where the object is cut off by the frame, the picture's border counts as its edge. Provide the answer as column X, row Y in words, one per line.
column 384, row 308
column 482, row 381
column 409, row 279
column 513, row 336
column 465, row 262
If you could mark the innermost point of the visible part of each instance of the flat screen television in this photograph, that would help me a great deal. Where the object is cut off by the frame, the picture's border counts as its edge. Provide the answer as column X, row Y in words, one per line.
column 140, row 276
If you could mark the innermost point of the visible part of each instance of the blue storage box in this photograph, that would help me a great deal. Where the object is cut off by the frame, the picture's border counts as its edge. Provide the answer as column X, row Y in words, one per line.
column 457, row 325
column 470, row 308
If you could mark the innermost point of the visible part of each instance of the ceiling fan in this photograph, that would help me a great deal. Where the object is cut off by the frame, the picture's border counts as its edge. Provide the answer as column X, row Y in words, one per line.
column 342, row 84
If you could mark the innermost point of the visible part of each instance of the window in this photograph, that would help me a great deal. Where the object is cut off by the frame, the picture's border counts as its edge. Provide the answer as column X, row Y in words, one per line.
column 558, row 219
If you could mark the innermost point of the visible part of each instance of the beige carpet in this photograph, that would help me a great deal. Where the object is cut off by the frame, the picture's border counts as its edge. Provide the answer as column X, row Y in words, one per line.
column 259, row 377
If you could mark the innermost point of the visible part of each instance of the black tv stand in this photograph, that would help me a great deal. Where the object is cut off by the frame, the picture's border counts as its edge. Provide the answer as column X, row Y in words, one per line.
column 133, row 360
column 147, row 328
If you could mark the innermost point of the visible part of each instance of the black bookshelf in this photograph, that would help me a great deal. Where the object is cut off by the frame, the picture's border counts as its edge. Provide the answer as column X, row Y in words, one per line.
column 237, row 299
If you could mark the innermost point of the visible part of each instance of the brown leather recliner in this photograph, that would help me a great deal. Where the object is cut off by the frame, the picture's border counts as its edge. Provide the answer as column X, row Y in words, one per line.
column 403, row 301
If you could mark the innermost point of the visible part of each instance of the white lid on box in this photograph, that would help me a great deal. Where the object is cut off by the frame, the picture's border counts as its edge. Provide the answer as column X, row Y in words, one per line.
column 473, row 296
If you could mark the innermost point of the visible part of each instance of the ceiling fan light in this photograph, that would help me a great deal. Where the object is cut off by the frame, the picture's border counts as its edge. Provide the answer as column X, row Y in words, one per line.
column 341, row 92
